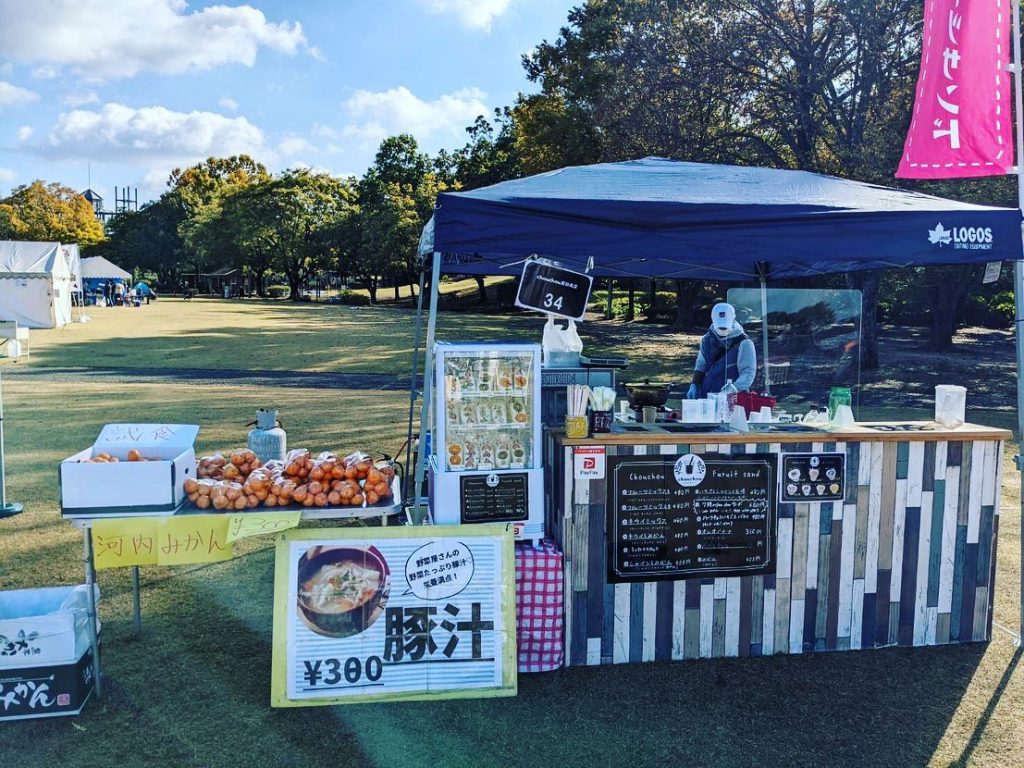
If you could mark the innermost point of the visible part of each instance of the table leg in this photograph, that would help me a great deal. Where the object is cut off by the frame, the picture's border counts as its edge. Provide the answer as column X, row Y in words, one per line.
column 136, row 600
column 90, row 582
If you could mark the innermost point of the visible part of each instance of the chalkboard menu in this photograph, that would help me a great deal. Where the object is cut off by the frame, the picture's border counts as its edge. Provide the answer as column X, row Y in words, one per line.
column 677, row 517
column 494, row 498
column 813, row 477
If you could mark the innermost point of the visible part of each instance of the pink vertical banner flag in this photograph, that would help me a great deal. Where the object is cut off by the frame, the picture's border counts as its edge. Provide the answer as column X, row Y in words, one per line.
column 962, row 122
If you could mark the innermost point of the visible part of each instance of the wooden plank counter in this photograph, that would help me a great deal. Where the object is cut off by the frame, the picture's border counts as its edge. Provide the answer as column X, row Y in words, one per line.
column 906, row 555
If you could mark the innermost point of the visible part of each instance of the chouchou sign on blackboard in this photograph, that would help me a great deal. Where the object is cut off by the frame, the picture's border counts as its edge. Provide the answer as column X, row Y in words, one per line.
column 677, row 517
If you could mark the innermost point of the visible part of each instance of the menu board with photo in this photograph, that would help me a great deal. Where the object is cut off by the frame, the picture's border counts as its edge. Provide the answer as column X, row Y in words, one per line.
column 392, row 614
column 676, row 517
column 813, row 477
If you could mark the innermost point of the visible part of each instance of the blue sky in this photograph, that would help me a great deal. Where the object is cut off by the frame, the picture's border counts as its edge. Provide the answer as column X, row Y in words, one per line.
column 137, row 87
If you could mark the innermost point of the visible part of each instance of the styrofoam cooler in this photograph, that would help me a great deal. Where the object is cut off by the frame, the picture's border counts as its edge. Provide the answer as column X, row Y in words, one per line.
column 45, row 656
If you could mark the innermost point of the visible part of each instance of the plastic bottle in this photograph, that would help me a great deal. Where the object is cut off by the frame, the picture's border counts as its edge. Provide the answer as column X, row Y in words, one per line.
column 726, row 401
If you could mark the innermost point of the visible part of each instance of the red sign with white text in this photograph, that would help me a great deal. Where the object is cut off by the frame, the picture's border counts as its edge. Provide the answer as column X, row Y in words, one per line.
column 962, row 124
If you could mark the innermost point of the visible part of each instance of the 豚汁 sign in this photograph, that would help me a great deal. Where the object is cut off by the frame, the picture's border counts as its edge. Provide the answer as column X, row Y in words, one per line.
column 547, row 287
column 393, row 614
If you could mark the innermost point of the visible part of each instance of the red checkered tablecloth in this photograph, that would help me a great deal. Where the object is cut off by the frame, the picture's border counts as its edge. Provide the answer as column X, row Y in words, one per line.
column 540, row 607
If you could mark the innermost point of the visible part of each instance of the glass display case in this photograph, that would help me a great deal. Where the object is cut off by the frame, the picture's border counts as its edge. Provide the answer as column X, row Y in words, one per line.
column 486, row 461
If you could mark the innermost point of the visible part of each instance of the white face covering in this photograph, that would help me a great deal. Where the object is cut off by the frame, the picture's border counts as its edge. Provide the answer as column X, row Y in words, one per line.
column 722, row 332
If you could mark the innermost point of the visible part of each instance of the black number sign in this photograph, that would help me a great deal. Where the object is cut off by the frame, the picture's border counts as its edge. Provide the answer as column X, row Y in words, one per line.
column 555, row 290
column 494, row 498
column 676, row 517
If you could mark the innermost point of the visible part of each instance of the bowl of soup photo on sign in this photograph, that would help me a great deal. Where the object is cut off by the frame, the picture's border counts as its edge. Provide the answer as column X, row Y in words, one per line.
column 342, row 590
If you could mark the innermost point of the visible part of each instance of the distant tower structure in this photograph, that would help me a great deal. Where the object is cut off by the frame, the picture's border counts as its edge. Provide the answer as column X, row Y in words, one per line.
column 126, row 201
column 97, row 205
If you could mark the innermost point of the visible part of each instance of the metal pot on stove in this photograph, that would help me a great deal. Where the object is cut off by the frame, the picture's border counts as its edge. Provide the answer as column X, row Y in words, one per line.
column 648, row 393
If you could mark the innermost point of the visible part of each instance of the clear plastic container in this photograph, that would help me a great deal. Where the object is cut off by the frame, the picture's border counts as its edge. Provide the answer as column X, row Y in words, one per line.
column 726, row 401
column 950, row 405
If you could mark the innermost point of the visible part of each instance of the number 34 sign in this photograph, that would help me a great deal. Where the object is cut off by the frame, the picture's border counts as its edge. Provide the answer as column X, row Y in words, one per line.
column 547, row 287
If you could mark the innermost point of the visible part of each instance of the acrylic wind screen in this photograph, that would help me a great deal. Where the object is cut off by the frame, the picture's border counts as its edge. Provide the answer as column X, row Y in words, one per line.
column 488, row 410
column 813, row 342
column 392, row 614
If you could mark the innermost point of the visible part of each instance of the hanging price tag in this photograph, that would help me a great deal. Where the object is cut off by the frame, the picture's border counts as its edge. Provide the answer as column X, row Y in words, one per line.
column 555, row 290
column 993, row 270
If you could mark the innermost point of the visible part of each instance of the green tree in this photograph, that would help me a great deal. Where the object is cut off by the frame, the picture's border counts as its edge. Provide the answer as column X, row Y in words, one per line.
column 198, row 191
column 377, row 240
column 490, row 156
column 147, row 240
column 286, row 219
column 40, row 211
column 823, row 85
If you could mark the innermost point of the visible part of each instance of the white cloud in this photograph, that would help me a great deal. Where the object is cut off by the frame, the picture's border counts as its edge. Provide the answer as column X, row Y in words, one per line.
column 105, row 39
column 228, row 103
column 151, row 135
column 295, row 145
column 376, row 115
column 80, row 99
column 7, row 175
column 471, row 13
column 46, row 72
column 11, row 95
column 323, row 131
column 25, row 133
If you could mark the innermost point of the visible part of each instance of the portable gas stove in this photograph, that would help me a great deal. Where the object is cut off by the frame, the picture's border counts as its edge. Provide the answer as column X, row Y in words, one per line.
column 663, row 413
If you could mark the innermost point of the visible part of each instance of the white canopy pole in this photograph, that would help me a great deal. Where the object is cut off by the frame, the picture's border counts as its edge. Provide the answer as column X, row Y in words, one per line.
column 416, row 511
column 1018, row 284
column 764, row 336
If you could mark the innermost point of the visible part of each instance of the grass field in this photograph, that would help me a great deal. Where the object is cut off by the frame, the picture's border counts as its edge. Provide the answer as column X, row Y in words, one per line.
column 193, row 690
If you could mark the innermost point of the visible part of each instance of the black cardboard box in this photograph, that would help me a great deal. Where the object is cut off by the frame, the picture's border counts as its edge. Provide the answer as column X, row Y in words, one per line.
column 47, row 691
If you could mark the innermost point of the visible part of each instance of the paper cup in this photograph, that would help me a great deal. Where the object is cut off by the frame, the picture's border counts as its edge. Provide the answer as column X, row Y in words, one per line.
column 844, row 417
column 691, row 411
column 766, row 413
column 707, row 409
column 576, row 426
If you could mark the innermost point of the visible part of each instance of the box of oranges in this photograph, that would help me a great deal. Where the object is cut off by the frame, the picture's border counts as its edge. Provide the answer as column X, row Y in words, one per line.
column 131, row 469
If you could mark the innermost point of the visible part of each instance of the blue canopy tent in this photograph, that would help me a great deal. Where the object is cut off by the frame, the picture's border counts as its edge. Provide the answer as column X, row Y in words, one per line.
column 669, row 219
column 660, row 218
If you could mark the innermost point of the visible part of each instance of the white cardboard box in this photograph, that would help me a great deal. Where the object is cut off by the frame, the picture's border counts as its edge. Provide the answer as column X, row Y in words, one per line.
column 127, row 488
column 44, row 626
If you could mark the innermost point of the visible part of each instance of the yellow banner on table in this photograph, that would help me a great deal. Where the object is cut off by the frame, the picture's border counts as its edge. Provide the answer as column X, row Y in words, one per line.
column 125, row 541
column 188, row 539
column 260, row 523
column 182, row 539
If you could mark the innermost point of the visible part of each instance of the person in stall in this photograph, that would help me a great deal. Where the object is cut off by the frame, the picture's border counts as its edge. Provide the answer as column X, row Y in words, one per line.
column 726, row 352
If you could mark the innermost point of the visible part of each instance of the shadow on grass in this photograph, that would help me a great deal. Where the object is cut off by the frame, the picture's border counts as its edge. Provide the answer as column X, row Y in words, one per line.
column 990, row 708
column 887, row 707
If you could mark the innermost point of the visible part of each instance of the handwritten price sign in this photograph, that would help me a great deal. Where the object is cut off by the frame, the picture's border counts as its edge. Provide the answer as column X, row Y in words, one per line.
column 253, row 524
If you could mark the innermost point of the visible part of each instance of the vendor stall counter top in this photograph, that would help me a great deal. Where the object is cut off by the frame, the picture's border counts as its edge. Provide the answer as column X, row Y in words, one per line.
column 876, row 432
